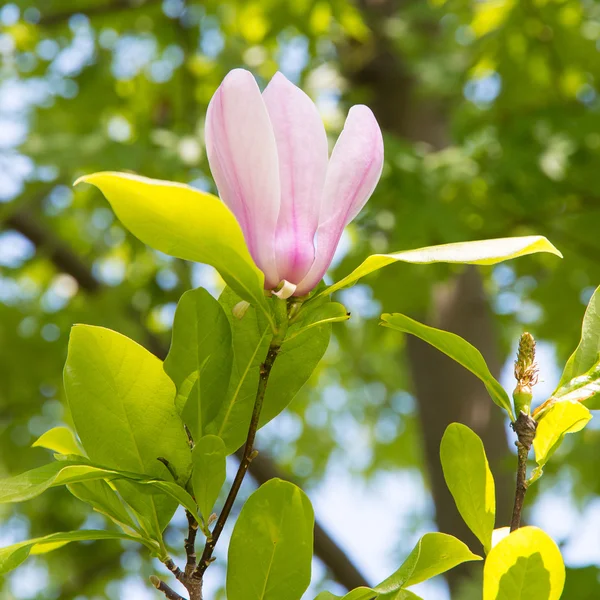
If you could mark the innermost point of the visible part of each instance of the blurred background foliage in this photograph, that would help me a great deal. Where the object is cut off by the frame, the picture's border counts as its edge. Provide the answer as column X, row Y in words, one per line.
column 491, row 117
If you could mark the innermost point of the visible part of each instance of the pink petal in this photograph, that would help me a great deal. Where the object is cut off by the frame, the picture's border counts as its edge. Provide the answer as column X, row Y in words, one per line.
column 242, row 154
column 303, row 154
column 353, row 173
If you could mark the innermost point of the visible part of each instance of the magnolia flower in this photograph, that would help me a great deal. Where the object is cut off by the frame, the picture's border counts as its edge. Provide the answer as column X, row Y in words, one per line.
column 268, row 155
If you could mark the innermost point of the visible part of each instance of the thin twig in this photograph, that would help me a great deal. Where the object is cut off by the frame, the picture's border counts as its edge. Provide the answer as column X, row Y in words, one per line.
column 179, row 574
column 248, row 455
column 161, row 586
column 525, row 428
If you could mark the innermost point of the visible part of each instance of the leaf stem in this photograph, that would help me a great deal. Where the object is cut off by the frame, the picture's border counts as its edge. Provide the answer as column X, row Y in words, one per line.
column 525, row 428
column 281, row 317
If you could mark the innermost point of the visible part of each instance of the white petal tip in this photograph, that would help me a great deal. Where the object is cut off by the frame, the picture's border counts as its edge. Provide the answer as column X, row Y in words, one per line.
column 285, row 291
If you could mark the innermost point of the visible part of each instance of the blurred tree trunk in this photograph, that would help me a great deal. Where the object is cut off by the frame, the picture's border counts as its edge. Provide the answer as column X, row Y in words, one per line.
column 445, row 392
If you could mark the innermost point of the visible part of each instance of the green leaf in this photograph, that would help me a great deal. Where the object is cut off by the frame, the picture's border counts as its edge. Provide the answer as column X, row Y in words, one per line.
column 484, row 252
column 32, row 483
column 456, row 348
column 122, row 403
column 200, row 358
column 209, row 471
column 270, row 552
column 361, row 593
column 560, row 419
column 298, row 358
column 104, row 499
column 12, row 556
column 400, row 595
column 434, row 553
column 183, row 222
column 587, row 353
column 61, row 440
column 469, row 479
column 320, row 313
column 526, row 565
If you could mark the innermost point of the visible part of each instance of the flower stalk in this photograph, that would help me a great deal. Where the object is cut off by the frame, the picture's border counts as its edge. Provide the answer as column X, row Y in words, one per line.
column 526, row 374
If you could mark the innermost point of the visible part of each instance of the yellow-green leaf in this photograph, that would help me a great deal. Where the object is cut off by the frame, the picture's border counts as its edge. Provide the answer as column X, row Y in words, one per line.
column 560, row 419
column 469, row 479
column 588, row 351
column 526, row 565
column 183, row 222
column 484, row 252
column 456, row 348
column 435, row 553
column 61, row 440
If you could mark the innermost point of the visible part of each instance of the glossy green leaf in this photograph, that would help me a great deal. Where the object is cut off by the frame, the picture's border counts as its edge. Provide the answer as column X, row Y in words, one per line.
column 298, row 358
column 560, row 419
column 122, row 403
column 209, row 471
column 319, row 314
column 183, row 222
column 33, row 483
column 484, row 252
column 435, row 553
column 526, row 565
column 587, row 353
column 104, row 499
column 200, row 358
column 400, row 595
column 12, row 556
column 270, row 552
column 362, row 593
column 456, row 348
column 61, row 440
column 469, row 479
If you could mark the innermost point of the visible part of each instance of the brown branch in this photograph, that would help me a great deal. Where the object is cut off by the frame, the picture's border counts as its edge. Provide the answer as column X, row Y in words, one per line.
column 190, row 544
column 161, row 586
column 262, row 468
column 525, row 428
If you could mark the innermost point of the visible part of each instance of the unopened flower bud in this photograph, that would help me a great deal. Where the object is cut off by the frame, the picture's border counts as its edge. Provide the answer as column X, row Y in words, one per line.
column 526, row 374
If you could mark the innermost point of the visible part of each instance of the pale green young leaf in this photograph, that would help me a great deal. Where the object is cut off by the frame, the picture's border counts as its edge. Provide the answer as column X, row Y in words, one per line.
column 297, row 360
column 456, row 348
column 525, row 565
column 208, row 474
column 61, row 440
column 587, row 353
column 270, row 552
column 469, row 479
column 435, row 553
column 183, row 222
column 122, row 403
column 12, row 556
column 483, row 252
column 560, row 419
column 200, row 358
